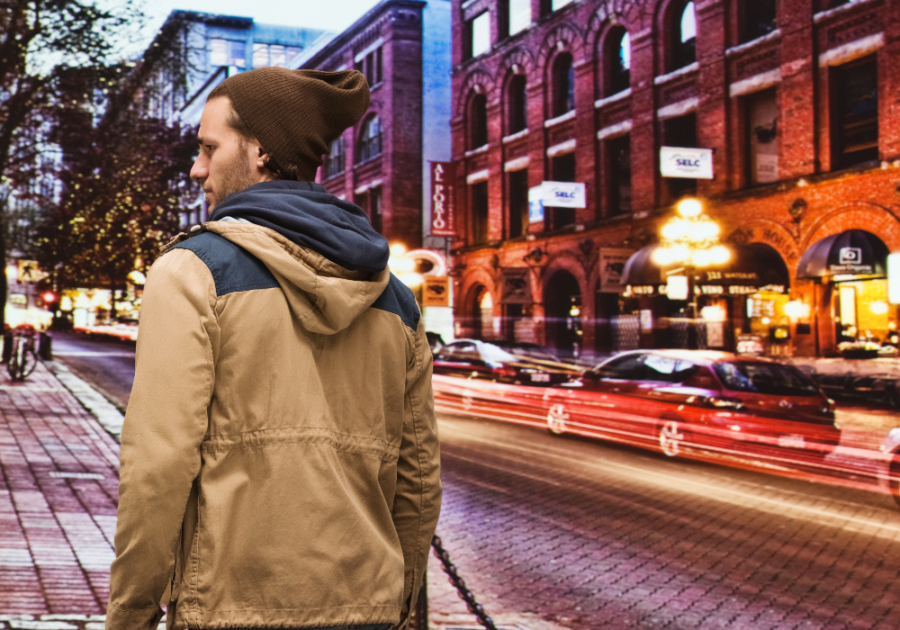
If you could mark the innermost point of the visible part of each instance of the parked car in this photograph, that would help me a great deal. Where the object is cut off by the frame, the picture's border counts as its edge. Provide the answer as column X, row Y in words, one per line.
column 474, row 359
column 717, row 403
column 891, row 450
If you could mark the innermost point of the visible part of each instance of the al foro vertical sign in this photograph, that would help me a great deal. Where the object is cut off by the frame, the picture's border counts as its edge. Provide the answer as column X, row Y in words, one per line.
column 442, row 177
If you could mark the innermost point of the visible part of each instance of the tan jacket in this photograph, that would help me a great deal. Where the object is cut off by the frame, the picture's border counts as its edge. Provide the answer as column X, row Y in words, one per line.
column 279, row 463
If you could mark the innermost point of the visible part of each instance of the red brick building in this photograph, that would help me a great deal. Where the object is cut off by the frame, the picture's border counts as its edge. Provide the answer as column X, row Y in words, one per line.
column 795, row 97
column 401, row 46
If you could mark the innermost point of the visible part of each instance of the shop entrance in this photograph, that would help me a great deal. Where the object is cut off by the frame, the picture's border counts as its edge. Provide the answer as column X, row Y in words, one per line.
column 482, row 313
column 562, row 314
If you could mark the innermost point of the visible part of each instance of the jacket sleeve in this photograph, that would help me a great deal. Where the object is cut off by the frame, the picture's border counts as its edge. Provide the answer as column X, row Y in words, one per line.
column 164, row 427
column 417, row 502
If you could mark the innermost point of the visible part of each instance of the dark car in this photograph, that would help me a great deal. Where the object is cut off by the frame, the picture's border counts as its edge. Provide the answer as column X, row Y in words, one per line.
column 474, row 359
column 712, row 402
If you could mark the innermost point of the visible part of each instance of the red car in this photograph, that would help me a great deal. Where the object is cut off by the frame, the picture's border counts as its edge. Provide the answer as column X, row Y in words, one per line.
column 702, row 404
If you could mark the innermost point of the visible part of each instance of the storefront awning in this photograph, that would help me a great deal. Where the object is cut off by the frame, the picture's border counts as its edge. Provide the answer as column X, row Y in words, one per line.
column 753, row 267
column 853, row 253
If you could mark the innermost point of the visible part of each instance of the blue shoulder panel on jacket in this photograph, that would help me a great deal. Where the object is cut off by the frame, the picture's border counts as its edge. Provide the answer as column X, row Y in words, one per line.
column 233, row 268
column 398, row 299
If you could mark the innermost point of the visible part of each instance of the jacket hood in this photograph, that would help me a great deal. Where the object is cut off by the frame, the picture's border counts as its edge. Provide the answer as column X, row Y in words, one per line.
column 308, row 215
column 327, row 258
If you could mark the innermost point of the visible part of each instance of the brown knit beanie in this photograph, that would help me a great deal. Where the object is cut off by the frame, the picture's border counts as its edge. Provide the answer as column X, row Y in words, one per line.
column 296, row 114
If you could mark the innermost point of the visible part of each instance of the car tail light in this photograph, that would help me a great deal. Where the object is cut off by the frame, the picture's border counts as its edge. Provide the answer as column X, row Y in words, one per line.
column 724, row 402
column 503, row 371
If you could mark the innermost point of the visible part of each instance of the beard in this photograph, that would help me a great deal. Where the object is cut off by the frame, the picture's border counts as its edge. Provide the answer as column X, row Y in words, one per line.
column 235, row 177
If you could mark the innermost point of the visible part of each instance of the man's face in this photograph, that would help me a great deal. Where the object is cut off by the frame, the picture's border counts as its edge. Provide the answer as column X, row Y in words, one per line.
column 228, row 162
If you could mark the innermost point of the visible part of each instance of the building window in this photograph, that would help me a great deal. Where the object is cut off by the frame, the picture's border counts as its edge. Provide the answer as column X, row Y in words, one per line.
column 265, row 55
column 479, row 205
column 762, row 137
column 619, row 161
column 478, row 35
column 224, row 52
column 680, row 132
column 549, row 6
column 335, row 163
column 517, row 102
column 854, row 113
column 518, row 15
column 371, row 66
column 370, row 139
column 759, row 18
column 563, row 85
column 618, row 61
column 683, row 38
column 478, row 122
column 562, row 169
column 518, row 203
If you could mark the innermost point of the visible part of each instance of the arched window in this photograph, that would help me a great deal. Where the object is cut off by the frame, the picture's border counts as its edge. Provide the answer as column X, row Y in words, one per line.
column 618, row 61
column 563, row 85
column 478, row 123
column 517, row 103
column 370, row 140
column 683, row 36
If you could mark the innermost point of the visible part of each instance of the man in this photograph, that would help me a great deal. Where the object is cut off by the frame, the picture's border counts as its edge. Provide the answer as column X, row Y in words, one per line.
column 279, row 464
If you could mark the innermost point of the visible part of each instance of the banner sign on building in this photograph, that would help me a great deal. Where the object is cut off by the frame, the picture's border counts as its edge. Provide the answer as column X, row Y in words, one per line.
column 686, row 163
column 564, row 194
column 516, row 287
column 535, row 204
column 442, row 198
column 612, row 264
column 29, row 271
column 436, row 291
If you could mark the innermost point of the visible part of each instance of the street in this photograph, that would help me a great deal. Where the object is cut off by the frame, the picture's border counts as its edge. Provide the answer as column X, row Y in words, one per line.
column 575, row 533
column 108, row 366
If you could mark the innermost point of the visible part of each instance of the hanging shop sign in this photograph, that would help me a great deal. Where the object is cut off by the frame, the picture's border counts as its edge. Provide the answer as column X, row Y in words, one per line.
column 442, row 177
column 535, row 204
column 564, row 194
column 436, row 291
column 686, row 163
column 516, row 287
column 612, row 264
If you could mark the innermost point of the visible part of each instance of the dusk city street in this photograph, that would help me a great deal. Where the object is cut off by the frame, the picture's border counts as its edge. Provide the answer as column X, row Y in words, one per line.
column 643, row 256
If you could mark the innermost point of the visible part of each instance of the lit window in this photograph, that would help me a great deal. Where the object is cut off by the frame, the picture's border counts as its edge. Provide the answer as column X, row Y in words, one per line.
column 688, row 23
column 519, row 15
column 480, row 34
column 236, row 54
column 260, row 55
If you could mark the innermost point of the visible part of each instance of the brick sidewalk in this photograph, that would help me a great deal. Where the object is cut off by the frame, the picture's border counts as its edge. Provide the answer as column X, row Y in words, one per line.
column 58, row 500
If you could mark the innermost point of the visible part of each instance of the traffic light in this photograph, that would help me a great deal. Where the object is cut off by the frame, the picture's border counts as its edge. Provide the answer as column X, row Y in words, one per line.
column 49, row 297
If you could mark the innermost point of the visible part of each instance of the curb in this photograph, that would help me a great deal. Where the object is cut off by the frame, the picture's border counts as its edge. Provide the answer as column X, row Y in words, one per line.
column 107, row 414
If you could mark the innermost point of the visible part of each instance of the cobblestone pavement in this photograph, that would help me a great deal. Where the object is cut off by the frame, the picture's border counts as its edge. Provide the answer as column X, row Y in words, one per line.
column 586, row 535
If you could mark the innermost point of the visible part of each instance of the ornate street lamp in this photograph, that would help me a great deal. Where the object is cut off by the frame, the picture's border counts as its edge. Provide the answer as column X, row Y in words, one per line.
column 691, row 240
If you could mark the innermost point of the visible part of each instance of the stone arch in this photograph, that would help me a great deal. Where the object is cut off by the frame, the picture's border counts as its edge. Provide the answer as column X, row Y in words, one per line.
column 519, row 56
column 629, row 13
column 563, row 37
column 478, row 81
column 770, row 233
column 563, row 261
column 860, row 215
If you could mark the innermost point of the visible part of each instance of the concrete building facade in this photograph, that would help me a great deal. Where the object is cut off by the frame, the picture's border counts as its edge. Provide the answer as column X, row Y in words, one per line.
column 795, row 99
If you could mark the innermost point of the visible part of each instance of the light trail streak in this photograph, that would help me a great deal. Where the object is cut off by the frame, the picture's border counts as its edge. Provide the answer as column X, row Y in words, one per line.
column 788, row 507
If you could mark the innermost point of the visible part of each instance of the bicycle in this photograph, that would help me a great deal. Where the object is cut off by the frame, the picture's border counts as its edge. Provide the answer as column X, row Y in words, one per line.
column 23, row 358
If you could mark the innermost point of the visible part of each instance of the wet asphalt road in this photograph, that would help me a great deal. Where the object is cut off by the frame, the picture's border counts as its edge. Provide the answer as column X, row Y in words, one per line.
column 108, row 366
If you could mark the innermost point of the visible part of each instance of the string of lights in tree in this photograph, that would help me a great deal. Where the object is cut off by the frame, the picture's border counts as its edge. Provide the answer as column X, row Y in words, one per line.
column 691, row 238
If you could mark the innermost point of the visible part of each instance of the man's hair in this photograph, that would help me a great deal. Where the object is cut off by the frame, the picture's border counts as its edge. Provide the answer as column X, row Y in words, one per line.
column 278, row 171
